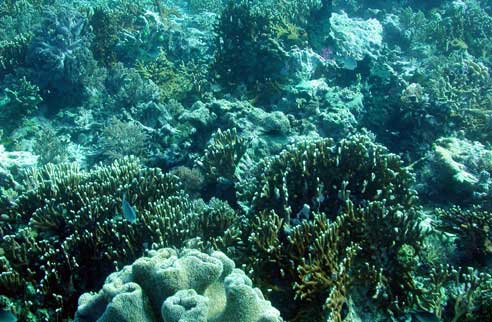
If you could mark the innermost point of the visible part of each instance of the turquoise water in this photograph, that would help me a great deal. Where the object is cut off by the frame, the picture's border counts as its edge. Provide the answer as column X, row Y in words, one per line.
column 245, row 160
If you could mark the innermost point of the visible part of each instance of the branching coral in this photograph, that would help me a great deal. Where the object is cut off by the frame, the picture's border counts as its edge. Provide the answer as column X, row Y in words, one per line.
column 21, row 100
column 104, row 24
column 321, row 174
column 50, row 147
column 457, row 26
column 127, row 89
column 223, row 154
column 120, row 139
column 323, row 259
column 75, row 235
column 247, row 52
column 473, row 231
column 319, row 206
column 173, row 81
column 456, row 294
column 13, row 52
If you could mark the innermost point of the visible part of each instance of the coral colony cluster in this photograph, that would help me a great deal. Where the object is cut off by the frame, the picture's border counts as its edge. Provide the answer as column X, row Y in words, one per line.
column 245, row 160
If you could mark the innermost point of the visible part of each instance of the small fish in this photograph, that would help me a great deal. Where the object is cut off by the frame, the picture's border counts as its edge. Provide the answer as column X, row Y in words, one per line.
column 304, row 212
column 7, row 316
column 128, row 211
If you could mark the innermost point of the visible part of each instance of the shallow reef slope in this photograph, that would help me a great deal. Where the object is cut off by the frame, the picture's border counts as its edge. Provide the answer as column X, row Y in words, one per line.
column 338, row 152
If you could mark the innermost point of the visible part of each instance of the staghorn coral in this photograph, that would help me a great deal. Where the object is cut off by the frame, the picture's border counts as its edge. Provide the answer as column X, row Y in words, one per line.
column 64, row 232
column 323, row 259
column 457, row 294
column 456, row 26
column 473, row 231
column 317, row 173
column 13, row 52
column 223, row 154
column 460, row 81
column 319, row 206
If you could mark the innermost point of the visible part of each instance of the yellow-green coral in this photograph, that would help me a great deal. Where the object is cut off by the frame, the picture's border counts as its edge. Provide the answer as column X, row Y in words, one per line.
column 174, row 82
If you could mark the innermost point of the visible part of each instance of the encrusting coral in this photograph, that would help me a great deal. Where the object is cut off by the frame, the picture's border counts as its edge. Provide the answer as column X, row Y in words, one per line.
column 185, row 286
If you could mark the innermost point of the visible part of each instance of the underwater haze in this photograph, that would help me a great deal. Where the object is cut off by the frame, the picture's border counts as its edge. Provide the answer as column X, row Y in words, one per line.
column 245, row 160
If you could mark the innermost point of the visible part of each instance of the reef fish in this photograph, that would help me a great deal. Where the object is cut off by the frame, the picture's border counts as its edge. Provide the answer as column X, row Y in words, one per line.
column 128, row 211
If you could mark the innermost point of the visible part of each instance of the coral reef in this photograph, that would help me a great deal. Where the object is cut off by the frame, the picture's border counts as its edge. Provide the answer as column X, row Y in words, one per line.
column 63, row 65
column 321, row 174
column 247, row 51
column 338, row 151
column 20, row 100
column 355, row 39
column 120, row 139
column 222, row 156
column 311, row 212
column 473, row 234
column 458, row 169
column 72, row 232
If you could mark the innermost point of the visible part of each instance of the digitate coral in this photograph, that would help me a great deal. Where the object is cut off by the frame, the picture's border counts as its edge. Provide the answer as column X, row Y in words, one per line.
column 458, row 294
column 319, row 206
column 13, row 53
column 317, row 174
column 223, row 154
column 64, row 231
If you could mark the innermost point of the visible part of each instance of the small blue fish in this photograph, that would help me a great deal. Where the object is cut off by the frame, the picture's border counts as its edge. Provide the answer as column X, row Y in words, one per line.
column 128, row 211
column 7, row 316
